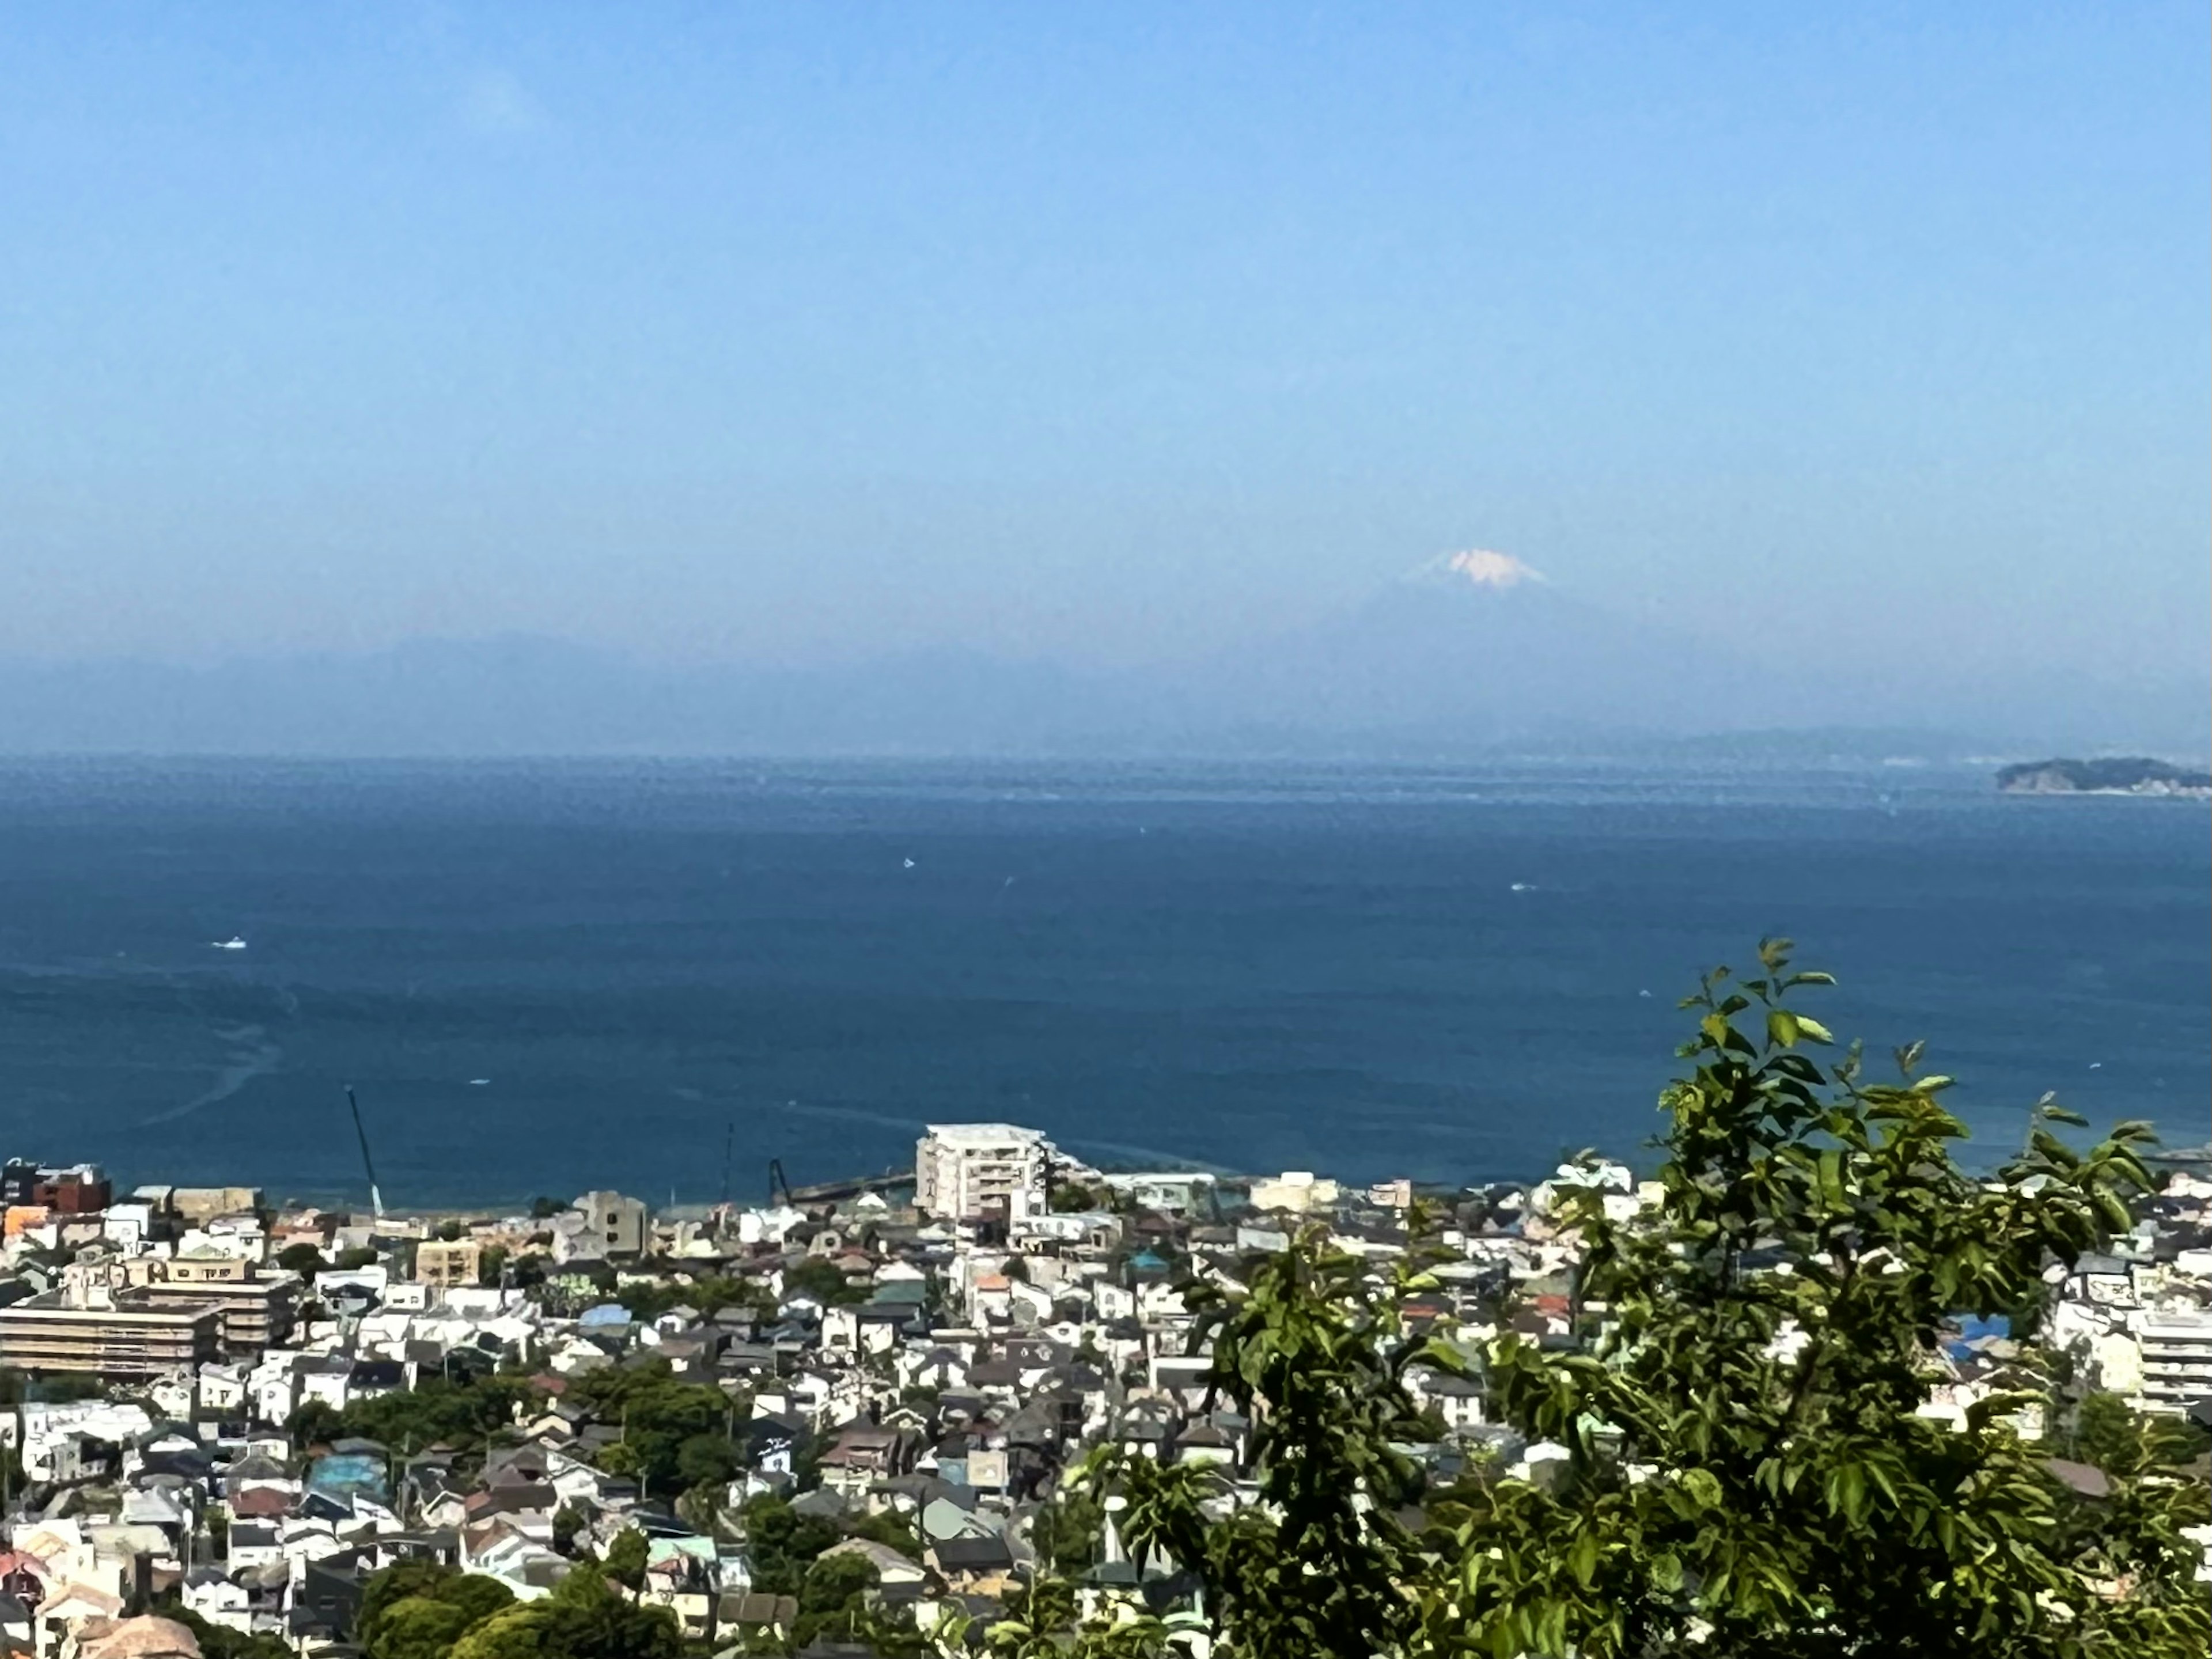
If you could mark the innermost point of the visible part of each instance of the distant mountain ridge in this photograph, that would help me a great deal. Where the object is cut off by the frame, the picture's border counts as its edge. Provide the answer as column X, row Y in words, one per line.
column 1479, row 645
column 1469, row 653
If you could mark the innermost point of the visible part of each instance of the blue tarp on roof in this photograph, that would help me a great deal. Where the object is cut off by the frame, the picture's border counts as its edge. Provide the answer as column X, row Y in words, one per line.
column 1972, row 1328
column 344, row 1474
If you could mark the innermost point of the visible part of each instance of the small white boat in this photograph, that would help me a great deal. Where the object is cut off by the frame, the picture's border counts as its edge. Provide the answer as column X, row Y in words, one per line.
column 234, row 943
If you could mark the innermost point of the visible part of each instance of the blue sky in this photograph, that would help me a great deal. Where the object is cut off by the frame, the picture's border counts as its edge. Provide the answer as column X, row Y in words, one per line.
column 713, row 333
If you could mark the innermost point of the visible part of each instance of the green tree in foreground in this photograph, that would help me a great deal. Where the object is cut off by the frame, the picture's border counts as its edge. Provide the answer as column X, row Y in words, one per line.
column 220, row 1641
column 675, row 1434
column 584, row 1618
column 1071, row 1197
column 567, row 1522
column 419, row 1609
column 1746, row 1474
column 1067, row 1532
column 833, row 1600
column 2105, row 1432
column 314, row 1422
column 418, row 1628
column 303, row 1259
column 1766, row 1342
column 626, row 1558
column 783, row 1544
column 819, row 1281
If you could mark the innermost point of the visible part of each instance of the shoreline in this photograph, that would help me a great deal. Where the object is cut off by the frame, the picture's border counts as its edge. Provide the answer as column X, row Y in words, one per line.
column 354, row 1202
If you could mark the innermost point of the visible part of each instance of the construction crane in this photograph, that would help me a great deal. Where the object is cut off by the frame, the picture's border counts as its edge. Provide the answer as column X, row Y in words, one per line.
column 375, row 1197
column 777, row 1184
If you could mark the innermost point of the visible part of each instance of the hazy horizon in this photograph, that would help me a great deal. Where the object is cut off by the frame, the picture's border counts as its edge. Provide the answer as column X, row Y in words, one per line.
column 1391, row 681
column 787, row 339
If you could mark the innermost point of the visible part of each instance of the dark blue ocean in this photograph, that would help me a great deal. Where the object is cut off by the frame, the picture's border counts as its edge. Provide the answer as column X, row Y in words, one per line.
column 547, row 976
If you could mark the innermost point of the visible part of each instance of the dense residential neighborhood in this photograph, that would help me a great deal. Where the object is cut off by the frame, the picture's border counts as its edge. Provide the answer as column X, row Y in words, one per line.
column 827, row 1424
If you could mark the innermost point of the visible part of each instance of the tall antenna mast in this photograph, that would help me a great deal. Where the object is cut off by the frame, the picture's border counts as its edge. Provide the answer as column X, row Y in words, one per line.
column 375, row 1197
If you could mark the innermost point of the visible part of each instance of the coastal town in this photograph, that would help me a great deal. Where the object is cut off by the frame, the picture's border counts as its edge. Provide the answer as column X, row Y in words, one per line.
column 239, row 1428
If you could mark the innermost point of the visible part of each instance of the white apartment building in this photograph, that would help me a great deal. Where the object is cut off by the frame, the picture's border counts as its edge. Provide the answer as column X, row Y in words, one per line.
column 2177, row 1360
column 967, row 1171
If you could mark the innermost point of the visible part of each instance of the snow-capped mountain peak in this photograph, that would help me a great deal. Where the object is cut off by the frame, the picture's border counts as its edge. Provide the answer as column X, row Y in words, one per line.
column 1478, row 566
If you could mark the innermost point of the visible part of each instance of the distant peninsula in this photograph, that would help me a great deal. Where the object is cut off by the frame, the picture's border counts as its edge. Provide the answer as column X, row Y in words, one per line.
column 2133, row 775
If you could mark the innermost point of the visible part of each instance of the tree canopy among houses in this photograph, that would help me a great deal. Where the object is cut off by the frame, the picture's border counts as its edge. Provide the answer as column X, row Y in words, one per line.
column 1742, row 1467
